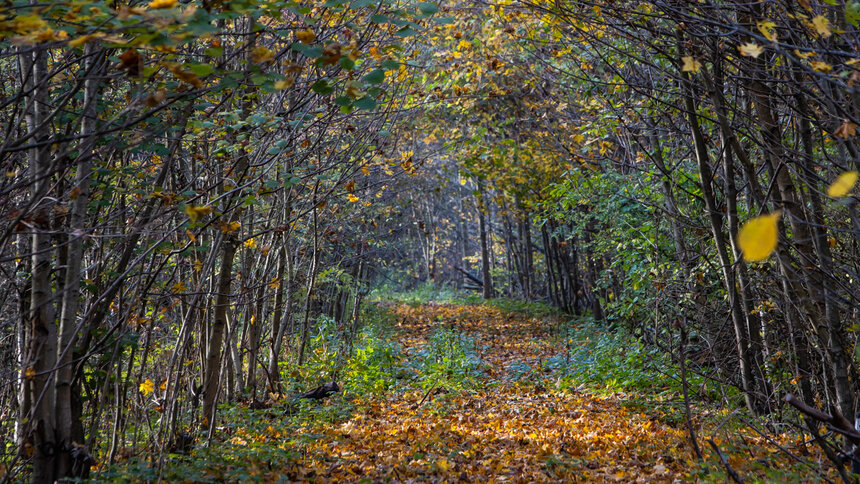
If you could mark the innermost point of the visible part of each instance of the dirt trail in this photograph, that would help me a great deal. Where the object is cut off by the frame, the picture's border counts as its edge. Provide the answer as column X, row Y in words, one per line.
column 505, row 431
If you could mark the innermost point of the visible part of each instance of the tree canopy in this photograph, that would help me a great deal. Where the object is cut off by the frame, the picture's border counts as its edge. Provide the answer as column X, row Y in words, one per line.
column 207, row 203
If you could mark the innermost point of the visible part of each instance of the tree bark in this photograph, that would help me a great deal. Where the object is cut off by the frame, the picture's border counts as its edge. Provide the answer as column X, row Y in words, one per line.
column 487, row 292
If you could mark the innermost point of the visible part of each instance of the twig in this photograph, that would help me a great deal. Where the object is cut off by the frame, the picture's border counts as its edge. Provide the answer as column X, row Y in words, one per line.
column 427, row 394
column 837, row 422
column 732, row 473
column 787, row 452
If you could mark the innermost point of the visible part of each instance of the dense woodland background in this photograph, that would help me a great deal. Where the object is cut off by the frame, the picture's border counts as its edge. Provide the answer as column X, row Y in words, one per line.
column 194, row 192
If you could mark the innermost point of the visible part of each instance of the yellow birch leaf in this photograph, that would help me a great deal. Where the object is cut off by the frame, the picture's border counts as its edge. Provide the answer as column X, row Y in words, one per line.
column 690, row 64
column 261, row 54
column 284, row 84
column 306, row 36
column 758, row 237
column 822, row 26
column 81, row 40
column 147, row 387
column 768, row 29
column 821, row 66
column 158, row 4
column 843, row 184
column 750, row 49
column 352, row 198
column 194, row 212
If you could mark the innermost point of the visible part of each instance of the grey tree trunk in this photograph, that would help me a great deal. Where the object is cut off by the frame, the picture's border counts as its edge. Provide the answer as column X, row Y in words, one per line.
column 211, row 378
column 72, row 286
column 40, row 362
column 487, row 292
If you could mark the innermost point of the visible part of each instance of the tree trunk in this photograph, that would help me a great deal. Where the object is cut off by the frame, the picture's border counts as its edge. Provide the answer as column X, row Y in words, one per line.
column 312, row 275
column 211, row 378
column 488, row 292
column 751, row 396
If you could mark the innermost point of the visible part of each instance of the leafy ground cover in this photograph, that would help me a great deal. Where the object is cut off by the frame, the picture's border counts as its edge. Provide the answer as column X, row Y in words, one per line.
column 472, row 393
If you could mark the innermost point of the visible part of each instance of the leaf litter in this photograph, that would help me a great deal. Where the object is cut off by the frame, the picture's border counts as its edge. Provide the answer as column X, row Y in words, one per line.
column 504, row 430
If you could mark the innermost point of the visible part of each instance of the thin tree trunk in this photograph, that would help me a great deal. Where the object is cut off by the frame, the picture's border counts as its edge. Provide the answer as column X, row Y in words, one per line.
column 488, row 292
column 211, row 378
column 312, row 276
column 741, row 330
column 40, row 363
column 71, row 288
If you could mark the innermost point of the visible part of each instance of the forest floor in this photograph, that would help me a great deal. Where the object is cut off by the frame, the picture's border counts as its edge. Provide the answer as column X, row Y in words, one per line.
column 511, row 421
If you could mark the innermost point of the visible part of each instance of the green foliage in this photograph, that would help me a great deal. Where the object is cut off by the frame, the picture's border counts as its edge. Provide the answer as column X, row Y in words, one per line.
column 616, row 361
column 375, row 364
column 449, row 360
column 426, row 292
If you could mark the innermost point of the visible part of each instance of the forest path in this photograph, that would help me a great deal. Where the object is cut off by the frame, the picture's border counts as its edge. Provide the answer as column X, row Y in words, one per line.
column 500, row 430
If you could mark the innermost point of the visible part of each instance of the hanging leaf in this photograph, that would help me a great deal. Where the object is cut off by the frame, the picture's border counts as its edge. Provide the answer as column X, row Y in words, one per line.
column 147, row 387
column 750, row 49
column 194, row 212
column 846, row 130
column 822, row 26
column 843, row 184
column 768, row 29
column 758, row 237
column 690, row 64
column 159, row 4
column 306, row 36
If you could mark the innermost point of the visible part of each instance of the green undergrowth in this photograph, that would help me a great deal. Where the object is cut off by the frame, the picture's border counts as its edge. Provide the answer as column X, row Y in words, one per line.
column 251, row 442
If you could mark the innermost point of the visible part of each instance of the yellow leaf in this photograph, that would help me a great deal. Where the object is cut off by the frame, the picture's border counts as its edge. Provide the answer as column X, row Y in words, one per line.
column 843, row 184
column 768, row 29
column 261, row 54
column 250, row 243
column 194, row 212
column 81, row 40
column 690, row 64
column 821, row 66
column 228, row 228
column 758, row 237
column 443, row 465
column 158, row 4
column 285, row 84
column 352, row 198
column 750, row 49
column 822, row 26
column 147, row 387
column 198, row 265
column 306, row 36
